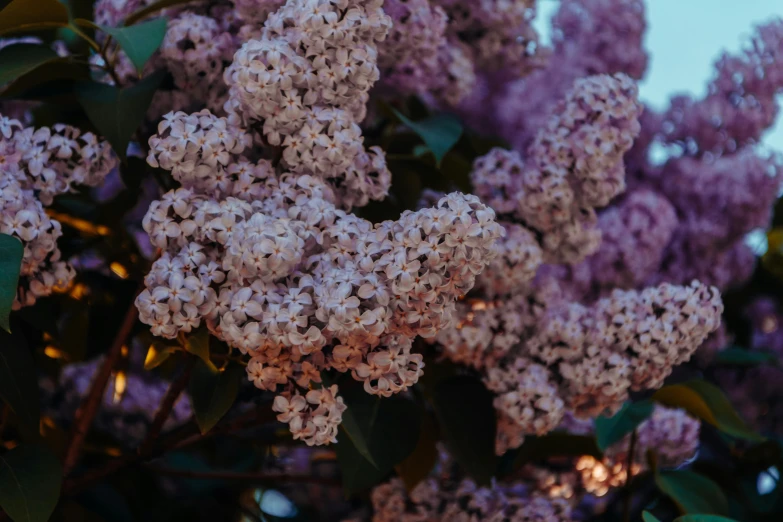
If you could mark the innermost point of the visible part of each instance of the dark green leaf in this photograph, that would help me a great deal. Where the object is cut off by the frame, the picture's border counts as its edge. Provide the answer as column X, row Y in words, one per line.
column 197, row 343
column 19, row 59
column 139, row 41
column 390, row 427
column 609, row 430
column 707, row 402
column 466, row 417
column 21, row 16
column 11, row 254
column 693, row 493
column 557, row 444
column 703, row 518
column 418, row 465
column 75, row 330
column 19, row 381
column 213, row 393
column 105, row 501
column 440, row 132
column 117, row 113
column 152, row 9
column 30, row 479
column 357, row 424
column 742, row 357
column 649, row 517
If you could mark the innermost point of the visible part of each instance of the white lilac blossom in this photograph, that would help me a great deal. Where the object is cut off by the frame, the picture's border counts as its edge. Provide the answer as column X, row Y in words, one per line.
column 35, row 166
column 305, row 82
column 573, row 166
column 268, row 262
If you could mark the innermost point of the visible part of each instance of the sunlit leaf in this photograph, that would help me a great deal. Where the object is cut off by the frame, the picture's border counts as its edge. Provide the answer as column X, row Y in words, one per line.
column 197, row 343
column 440, row 133
column 609, row 430
column 21, row 16
column 212, row 393
column 707, row 402
column 19, row 381
column 649, row 517
column 30, row 479
column 117, row 113
column 19, row 59
column 693, row 493
column 157, row 355
column 11, row 254
column 466, row 417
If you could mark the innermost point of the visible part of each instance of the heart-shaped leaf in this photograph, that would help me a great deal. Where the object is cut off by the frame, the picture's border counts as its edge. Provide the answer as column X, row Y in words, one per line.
column 707, row 402
column 138, row 41
column 390, row 428
column 418, row 465
column 440, row 133
column 22, row 16
column 212, row 393
column 693, row 493
column 197, row 343
column 117, row 113
column 466, row 417
column 741, row 357
column 11, row 254
column 19, row 59
column 30, row 480
column 609, row 430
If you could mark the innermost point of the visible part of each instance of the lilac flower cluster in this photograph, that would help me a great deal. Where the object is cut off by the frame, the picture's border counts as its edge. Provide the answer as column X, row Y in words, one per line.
column 443, row 500
column 264, row 255
column 35, row 166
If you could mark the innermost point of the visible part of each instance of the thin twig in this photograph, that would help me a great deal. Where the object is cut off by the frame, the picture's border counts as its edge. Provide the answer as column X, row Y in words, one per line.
column 166, row 405
column 183, row 437
column 251, row 477
column 88, row 409
column 629, row 476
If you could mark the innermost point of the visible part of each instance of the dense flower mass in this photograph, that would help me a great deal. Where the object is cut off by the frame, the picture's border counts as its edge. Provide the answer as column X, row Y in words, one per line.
column 35, row 166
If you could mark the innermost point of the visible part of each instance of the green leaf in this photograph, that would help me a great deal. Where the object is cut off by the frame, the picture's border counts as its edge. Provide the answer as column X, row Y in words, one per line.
column 466, row 417
column 418, row 465
column 213, row 392
column 556, row 444
column 117, row 113
column 742, row 357
column 30, row 479
column 707, row 402
column 197, row 343
column 19, row 381
column 703, row 518
column 440, row 132
column 144, row 12
column 693, row 493
column 51, row 81
column 22, row 16
column 157, row 355
column 19, row 59
column 357, row 423
column 11, row 254
column 609, row 430
column 139, row 41
column 390, row 426
column 649, row 517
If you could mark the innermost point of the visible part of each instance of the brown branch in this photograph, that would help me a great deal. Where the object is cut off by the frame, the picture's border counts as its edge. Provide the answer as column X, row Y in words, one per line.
column 185, row 436
column 88, row 409
column 251, row 477
column 166, row 405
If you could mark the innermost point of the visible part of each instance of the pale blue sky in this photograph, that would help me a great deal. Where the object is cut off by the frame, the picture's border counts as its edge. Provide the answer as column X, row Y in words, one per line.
column 684, row 37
